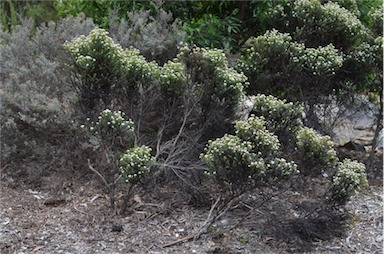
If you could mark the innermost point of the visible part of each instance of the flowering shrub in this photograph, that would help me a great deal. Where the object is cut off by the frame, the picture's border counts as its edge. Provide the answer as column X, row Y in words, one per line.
column 350, row 177
column 268, row 58
column 282, row 118
column 96, row 46
column 172, row 77
column 265, row 54
column 248, row 160
column 99, row 65
column 112, row 127
column 376, row 20
column 318, row 24
column 230, row 156
column 316, row 152
column 137, row 69
column 219, row 86
column 275, row 62
column 135, row 163
column 265, row 143
column 322, row 61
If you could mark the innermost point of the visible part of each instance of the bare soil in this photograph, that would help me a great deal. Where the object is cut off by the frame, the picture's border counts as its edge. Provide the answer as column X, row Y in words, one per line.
column 70, row 214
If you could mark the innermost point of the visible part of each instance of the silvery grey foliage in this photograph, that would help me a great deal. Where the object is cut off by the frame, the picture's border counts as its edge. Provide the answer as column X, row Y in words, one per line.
column 157, row 37
column 35, row 88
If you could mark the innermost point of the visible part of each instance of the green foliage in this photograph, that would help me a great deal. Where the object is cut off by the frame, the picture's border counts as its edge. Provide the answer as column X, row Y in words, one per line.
column 322, row 24
column 12, row 13
column 212, row 31
column 104, row 68
column 248, row 160
column 112, row 129
column 99, row 10
column 350, row 177
column 315, row 152
column 253, row 130
column 222, row 87
column 135, row 163
column 282, row 118
column 322, row 61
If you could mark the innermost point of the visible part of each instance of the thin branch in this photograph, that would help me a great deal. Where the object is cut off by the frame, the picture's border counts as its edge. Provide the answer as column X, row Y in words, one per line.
column 192, row 236
column 100, row 175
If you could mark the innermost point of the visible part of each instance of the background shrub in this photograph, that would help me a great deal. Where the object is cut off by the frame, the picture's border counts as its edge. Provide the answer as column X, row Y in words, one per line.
column 157, row 36
column 37, row 96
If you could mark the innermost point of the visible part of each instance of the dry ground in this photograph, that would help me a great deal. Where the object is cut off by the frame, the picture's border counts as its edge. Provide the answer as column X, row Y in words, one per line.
column 71, row 215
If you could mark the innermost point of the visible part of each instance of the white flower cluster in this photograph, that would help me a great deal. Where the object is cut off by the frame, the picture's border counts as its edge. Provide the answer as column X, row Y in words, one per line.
column 136, row 66
column 99, row 48
column 282, row 118
column 228, row 84
column 349, row 178
column 275, row 48
column 322, row 60
column 364, row 53
column 115, row 120
column 172, row 76
column 250, row 156
column 335, row 16
column 88, row 49
column 263, row 49
column 328, row 18
column 85, row 61
column 272, row 107
column 316, row 150
column 228, row 154
column 135, row 163
column 254, row 131
column 216, row 57
column 110, row 123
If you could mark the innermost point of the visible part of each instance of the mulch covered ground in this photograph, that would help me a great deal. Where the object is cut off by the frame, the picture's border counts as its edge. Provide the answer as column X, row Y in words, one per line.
column 69, row 215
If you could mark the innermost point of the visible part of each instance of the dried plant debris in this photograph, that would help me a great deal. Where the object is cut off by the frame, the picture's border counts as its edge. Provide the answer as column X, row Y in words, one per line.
column 77, row 222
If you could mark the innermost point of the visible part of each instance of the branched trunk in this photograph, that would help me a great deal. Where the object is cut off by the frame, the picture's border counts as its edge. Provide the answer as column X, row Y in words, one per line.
column 126, row 199
column 379, row 127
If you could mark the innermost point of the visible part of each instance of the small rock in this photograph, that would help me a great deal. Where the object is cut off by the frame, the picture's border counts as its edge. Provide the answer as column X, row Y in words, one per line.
column 117, row 227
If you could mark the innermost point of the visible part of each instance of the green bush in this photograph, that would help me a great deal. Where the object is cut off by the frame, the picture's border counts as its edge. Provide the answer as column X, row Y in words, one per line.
column 248, row 160
column 110, row 129
column 212, row 31
column 282, row 118
column 135, row 163
column 222, row 86
column 315, row 152
column 110, row 75
column 350, row 177
column 269, row 60
column 322, row 24
column 265, row 143
column 280, row 66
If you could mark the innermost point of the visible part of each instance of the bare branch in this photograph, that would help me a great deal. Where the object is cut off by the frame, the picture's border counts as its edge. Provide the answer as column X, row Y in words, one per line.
column 99, row 174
